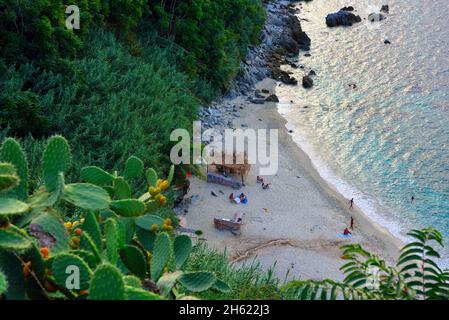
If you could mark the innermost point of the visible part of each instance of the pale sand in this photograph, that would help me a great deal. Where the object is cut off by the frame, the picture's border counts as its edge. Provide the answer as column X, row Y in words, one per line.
column 296, row 222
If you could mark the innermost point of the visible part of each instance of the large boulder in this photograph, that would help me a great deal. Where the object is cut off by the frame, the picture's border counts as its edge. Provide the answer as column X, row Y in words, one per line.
column 342, row 18
column 307, row 82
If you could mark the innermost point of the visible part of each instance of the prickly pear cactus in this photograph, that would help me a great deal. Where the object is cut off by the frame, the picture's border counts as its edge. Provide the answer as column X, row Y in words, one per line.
column 147, row 221
column 51, row 232
column 182, row 246
column 88, row 244
column 161, row 255
column 221, row 286
column 64, row 265
column 122, row 190
column 132, row 281
column 197, row 281
column 13, row 153
column 171, row 173
column 3, row 283
column 107, row 284
column 167, row 282
column 133, row 293
column 112, row 240
column 9, row 207
column 11, row 266
column 134, row 260
column 57, row 158
column 96, row 175
column 86, row 196
column 151, row 177
column 92, row 227
column 133, row 168
column 8, row 178
column 128, row 207
column 12, row 240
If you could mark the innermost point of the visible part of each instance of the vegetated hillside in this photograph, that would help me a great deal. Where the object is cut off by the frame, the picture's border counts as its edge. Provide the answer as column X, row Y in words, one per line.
column 117, row 86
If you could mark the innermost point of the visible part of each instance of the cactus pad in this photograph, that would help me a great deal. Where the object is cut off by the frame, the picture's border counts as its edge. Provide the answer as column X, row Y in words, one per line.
column 132, row 281
column 167, row 282
column 92, row 227
column 12, row 207
column 60, row 271
column 112, row 240
column 122, row 190
column 151, row 177
column 197, row 281
column 221, row 286
column 11, row 240
column 171, row 173
column 133, row 293
column 13, row 153
column 107, row 284
column 134, row 260
column 86, row 196
column 11, row 267
column 128, row 207
column 50, row 231
column 182, row 247
column 3, row 283
column 56, row 159
column 146, row 238
column 96, row 175
column 146, row 221
column 8, row 178
column 87, row 256
column 133, row 168
column 161, row 255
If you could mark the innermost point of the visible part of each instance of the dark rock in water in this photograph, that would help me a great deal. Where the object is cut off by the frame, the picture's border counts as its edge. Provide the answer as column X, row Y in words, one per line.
column 385, row 8
column 265, row 91
column 375, row 17
column 272, row 98
column 307, row 82
column 349, row 8
column 293, row 38
column 290, row 131
column 312, row 73
column 387, row 41
column 342, row 18
column 258, row 101
column 307, row 55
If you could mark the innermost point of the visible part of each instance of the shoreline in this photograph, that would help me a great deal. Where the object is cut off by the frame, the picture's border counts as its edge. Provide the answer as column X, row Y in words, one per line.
column 294, row 225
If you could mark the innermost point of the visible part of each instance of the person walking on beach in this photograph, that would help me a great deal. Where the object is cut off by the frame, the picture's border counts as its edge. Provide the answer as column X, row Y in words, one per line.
column 351, row 225
column 351, row 203
column 413, row 198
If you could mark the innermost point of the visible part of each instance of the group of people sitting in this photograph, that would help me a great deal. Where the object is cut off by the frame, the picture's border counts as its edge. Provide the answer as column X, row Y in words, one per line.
column 242, row 198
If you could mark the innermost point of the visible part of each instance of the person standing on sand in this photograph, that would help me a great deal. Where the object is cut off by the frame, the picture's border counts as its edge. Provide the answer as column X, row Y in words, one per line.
column 351, row 226
column 351, row 203
column 413, row 198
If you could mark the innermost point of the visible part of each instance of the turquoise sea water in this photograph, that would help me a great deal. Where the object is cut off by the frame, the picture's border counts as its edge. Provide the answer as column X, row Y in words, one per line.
column 388, row 139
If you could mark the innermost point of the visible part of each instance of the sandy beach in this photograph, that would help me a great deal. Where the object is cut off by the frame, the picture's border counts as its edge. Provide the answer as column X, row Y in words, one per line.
column 296, row 223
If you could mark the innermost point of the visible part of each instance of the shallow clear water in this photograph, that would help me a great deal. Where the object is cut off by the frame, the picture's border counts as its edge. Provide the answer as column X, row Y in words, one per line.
column 387, row 139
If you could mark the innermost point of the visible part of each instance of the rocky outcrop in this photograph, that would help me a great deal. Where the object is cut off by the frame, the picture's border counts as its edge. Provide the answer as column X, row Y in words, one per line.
column 342, row 18
column 272, row 98
column 375, row 17
column 385, row 8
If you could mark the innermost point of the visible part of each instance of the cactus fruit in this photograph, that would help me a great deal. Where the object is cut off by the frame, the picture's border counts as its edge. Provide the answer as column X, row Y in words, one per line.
column 151, row 177
column 60, row 270
column 107, row 284
column 11, row 240
column 154, row 191
column 56, row 159
column 45, row 252
column 182, row 246
column 111, row 232
column 134, row 260
column 128, row 207
column 161, row 255
column 197, row 281
column 133, row 168
column 86, row 196
column 13, row 153
column 12, row 207
column 146, row 221
column 96, row 175
column 122, row 190
column 92, row 227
